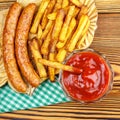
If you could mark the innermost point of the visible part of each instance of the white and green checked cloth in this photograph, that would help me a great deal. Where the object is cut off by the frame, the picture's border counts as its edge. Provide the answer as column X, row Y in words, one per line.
column 46, row 94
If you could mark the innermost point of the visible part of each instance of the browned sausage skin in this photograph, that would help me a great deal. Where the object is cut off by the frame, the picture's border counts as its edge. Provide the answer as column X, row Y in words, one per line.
column 21, row 45
column 8, row 48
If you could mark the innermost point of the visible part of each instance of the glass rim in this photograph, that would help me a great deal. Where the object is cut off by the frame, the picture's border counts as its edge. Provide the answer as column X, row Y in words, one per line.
column 110, row 83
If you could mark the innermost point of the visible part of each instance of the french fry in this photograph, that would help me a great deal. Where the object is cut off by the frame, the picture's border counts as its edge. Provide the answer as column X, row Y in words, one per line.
column 31, row 36
column 61, row 44
column 58, row 5
column 81, row 40
column 61, row 66
column 55, row 33
column 51, row 70
column 82, row 23
column 57, row 71
column 71, row 27
column 58, row 24
column 65, row 3
column 69, row 33
column 40, row 42
column 77, row 3
column 61, row 24
column 86, row 27
column 66, row 9
column 47, row 29
column 66, row 23
column 52, row 16
column 77, row 10
column 45, row 45
column 39, row 15
column 45, row 57
column 83, row 11
column 36, row 55
column 61, row 55
column 47, row 11
column 39, row 34
column 50, row 22
column 56, row 29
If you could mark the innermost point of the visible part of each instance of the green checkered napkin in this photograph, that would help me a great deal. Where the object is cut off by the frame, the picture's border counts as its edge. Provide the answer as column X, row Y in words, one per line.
column 46, row 94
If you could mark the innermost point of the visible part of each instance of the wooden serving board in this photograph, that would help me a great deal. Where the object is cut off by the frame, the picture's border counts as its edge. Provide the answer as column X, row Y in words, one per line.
column 107, row 42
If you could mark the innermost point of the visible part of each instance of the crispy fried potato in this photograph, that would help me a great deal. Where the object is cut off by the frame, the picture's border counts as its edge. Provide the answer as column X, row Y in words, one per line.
column 60, row 66
column 86, row 27
column 52, row 16
column 69, row 33
column 81, row 42
column 47, row 29
column 58, row 5
column 46, row 42
column 36, row 55
column 77, row 3
column 50, row 22
column 71, row 28
column 55, row 33
column 39, row 34
column 77, row 10
column 66, row 23
column 82, row 23
column 58, row 24
column 57, row 71
column 65, row 3
column 56, row 29
column 61, row 55
column 31, row 36
column 51, row 70
column 84, row 32
column 39, row 15
column 47, row 11
column 83, row 11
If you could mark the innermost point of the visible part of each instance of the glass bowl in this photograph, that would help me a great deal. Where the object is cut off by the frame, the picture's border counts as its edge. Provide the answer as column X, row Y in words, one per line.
column 106, row 89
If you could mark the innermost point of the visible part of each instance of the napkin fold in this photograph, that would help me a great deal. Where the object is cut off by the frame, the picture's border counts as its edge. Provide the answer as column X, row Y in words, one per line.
column 46, row 94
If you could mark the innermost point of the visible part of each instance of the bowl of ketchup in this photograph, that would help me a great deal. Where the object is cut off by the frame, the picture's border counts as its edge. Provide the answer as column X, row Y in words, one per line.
column 93, row 83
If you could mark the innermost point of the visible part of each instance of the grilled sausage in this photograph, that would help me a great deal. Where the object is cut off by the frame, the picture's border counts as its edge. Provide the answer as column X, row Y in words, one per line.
column 21, row 45
column 8, row 49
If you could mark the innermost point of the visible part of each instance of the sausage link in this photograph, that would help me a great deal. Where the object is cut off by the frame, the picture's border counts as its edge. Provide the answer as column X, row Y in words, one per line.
column 21, row 45
column 8, row 48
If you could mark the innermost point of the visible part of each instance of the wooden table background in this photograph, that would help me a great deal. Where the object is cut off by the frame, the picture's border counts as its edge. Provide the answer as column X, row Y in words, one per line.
column 106, row 41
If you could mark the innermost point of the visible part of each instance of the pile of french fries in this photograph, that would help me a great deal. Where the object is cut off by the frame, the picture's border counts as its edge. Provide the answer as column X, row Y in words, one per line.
column 61, row 27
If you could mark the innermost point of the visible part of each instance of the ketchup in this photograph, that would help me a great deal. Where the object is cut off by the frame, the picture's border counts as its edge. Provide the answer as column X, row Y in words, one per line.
column 94, row 80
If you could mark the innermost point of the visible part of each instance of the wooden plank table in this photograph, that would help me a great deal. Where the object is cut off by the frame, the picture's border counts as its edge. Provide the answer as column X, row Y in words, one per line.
column 106, row 41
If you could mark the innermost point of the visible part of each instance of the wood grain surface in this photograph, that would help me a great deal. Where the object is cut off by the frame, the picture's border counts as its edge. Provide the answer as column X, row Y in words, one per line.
column 107, row 42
